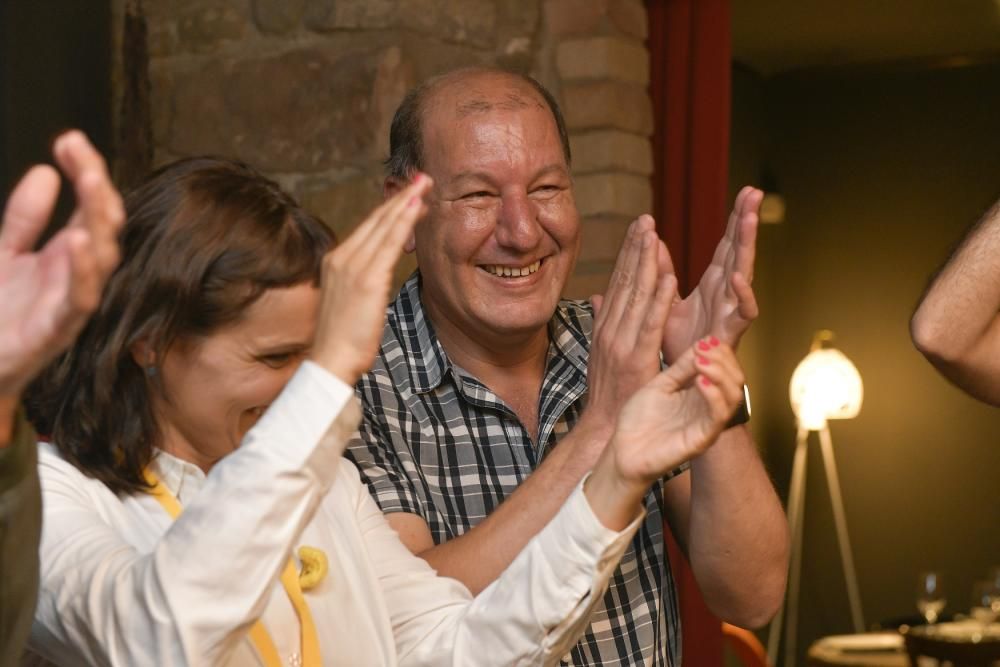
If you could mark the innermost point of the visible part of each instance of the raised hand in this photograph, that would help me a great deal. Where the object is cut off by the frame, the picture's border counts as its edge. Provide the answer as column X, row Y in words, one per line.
column 355, row 284
column 47, row 296
column 723, row 303
column 628, row 324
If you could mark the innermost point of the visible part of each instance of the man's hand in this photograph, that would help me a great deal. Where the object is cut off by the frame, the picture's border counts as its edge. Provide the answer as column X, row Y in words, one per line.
column 723, row 303
column 628, row 325
column 47, row 296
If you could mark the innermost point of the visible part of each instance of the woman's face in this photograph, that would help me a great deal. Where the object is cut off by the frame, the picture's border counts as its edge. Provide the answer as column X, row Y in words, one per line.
column 214, row 389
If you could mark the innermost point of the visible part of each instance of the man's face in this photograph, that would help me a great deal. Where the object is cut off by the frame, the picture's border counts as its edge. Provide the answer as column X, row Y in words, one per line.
column 502, row 233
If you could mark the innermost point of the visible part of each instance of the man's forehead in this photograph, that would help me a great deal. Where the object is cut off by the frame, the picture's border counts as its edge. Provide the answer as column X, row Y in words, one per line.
column 472, row 94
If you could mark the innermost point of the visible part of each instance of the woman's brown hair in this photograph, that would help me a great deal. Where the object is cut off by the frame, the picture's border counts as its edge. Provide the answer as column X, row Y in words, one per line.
column 203, row 239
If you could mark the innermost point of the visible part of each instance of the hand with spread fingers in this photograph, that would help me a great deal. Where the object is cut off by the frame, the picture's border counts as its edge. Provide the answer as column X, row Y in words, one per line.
column 628, row 323
column 723, row 302
column 47, row 295
column 672, row 419
column 356, row 280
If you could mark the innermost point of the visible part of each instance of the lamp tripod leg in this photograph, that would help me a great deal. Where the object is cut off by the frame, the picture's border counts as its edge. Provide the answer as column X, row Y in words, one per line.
column 840, row 520
column 796, row 502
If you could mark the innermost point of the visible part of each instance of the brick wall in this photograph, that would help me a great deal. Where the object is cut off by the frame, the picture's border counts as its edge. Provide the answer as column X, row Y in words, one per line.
column 305, row 90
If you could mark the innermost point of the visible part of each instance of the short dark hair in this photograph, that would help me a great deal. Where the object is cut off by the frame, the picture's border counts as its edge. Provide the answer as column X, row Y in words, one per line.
column 204, row 238
column 406, row 131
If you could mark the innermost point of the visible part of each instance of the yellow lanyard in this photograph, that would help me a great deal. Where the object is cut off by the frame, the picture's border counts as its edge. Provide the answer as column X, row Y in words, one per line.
column 289, row 580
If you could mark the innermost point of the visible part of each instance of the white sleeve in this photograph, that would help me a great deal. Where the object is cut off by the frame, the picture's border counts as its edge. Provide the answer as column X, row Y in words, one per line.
column 533, row 614
column 191, row 600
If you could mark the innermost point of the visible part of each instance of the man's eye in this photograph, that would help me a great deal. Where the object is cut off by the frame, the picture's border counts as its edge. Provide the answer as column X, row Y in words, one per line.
column 477, row 194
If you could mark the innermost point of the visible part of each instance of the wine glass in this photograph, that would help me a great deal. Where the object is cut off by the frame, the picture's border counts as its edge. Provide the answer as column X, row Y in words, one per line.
column 930, row 597
column 985, row 603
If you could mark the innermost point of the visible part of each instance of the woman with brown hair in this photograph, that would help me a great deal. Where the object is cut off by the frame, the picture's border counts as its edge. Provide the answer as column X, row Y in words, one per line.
column 197, row 508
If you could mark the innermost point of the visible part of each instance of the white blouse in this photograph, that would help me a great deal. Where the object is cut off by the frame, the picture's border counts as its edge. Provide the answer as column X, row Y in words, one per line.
column 123, row 584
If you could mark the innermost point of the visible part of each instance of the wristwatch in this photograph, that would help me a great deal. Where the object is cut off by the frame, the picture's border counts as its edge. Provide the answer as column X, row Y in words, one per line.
column 742, row 414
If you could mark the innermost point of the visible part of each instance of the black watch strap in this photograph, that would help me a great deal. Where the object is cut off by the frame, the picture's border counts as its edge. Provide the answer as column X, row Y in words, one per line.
column 742, row 414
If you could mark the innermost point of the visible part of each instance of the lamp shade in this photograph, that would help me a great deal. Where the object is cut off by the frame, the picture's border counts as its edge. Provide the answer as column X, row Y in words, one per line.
column 825, row 385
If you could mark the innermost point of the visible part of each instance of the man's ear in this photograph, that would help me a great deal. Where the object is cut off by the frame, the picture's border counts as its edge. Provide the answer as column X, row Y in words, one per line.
column 390, row 186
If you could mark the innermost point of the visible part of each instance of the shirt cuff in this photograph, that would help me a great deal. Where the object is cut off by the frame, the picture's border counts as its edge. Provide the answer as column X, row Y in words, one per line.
column 317, row 413
column 593, row 539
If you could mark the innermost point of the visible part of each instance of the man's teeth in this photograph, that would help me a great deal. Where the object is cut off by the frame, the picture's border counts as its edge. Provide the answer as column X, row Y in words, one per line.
column 512, row 271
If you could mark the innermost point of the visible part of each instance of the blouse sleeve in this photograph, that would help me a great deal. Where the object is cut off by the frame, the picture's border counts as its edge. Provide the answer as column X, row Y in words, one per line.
column 192, row 599
column 532, row 614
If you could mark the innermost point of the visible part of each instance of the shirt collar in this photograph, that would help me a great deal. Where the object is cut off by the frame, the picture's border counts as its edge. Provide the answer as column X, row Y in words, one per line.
column 569, row 333
column 426, row 359
column 182, row 478
column 423, row 353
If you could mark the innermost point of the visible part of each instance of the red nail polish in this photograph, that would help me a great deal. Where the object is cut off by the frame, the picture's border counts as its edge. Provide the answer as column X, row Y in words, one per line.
column 714, row 341
column 702, row 360
column 705, row 381
column 418, row 178
column 702, row 345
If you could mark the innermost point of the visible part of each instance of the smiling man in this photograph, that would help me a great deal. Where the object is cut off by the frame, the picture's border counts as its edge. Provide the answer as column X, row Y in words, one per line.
column 491, row 398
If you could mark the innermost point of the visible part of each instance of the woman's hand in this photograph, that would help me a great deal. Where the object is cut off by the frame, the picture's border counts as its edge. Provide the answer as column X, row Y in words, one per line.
column 357, row 276
column 675, row 417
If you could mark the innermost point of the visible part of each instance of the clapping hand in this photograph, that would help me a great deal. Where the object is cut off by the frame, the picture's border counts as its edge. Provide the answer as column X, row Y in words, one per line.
column 723, row 302
column 355, row 283
column 628, row 324
column 47, row 295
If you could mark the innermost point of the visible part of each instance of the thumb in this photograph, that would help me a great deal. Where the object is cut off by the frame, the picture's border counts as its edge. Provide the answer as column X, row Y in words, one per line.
column 680, row 373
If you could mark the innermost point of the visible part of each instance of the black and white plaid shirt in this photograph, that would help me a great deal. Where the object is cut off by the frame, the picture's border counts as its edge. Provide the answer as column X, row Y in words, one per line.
column 436, row 442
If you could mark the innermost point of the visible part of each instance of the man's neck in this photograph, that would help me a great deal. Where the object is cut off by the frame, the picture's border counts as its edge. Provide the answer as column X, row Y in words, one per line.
column 497, row 360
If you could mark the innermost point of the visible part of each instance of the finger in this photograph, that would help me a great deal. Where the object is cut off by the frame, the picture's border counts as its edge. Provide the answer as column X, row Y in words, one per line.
column 363, row 231
column 745, row 243
column 618, row 274
column 746, row 301
column 394, row 226
column 664, row 263
column 98, row 200
column 680, row 373
column 642, row 295
column 634, row 282
column 72, row 291
column 595, row 303
column 100, row 208
column 719, row 409
column 75, row 155
column 659, row 309
column 29, row 208
column 724, row 371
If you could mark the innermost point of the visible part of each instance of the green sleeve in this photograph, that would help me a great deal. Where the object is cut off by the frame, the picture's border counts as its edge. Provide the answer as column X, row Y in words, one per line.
column 20, row 530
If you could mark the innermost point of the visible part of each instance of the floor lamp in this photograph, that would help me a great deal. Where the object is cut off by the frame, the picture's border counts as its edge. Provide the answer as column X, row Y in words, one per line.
column 825, row 385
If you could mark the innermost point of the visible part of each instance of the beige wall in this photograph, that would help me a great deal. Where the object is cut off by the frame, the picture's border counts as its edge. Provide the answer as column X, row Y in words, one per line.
column 305, row 91
column 882, row 171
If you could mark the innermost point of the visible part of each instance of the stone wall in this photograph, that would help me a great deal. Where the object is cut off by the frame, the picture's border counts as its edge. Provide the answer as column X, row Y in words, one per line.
column 305, row 91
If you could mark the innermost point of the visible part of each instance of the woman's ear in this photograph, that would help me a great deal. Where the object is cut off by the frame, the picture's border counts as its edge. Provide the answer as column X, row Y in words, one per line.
column 143, row 354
